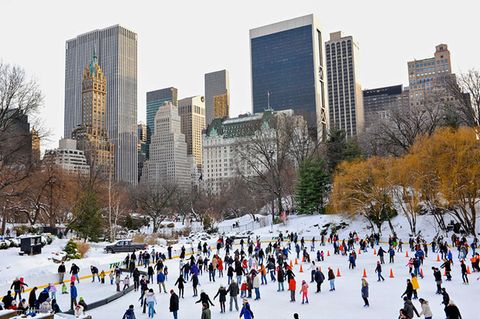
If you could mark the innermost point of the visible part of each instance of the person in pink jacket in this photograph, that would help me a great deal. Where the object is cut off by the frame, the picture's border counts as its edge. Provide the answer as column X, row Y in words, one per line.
column 304, row 292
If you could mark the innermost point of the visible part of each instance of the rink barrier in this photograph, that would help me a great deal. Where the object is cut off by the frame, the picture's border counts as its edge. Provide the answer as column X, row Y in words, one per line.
column 103, row 302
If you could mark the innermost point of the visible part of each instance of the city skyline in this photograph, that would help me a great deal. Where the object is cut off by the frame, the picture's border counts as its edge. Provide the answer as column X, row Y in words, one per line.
column 382, row 63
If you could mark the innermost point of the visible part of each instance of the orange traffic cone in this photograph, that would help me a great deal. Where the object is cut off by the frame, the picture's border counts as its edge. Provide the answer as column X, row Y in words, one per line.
column 359, row 251
column 328, row 253
column 438, row 257
column 406, row 253
column 296, row 261
column 303, row 259
column 444, row 272
column 421, row 272
column 338, row 272
column 468, row 270
column 374, row 252
column 364, row 273
column 391, row 273
column 291, row 264
column 301, row 268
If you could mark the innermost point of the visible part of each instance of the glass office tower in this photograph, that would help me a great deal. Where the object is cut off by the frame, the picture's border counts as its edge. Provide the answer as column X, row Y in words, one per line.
column 288, row 70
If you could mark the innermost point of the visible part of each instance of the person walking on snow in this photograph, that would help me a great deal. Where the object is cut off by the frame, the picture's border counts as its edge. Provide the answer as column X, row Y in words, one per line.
column 292, row 286
column 151, row 302
column 331, row 279
column 364, row 291
column 378, row 270
column 246, row 312
column 304, row 292
column 426, row 311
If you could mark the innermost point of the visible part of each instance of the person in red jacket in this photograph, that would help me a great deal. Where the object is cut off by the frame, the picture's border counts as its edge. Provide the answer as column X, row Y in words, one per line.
column 292, row 286
column 304, row 292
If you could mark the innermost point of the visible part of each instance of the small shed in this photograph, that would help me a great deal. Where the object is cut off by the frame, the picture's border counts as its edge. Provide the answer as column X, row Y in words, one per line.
column 31, row 245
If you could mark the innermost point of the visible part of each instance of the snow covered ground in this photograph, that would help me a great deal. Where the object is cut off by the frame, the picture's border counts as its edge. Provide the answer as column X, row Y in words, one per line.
column 345, row 302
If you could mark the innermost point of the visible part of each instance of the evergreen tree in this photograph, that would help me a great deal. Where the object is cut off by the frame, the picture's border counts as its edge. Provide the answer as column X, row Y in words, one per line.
column 339, row 149
column 72, row 250
column 312, row 186
column 87, row 215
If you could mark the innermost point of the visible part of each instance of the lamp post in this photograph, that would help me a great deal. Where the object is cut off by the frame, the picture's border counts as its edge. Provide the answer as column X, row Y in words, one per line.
column 271, row 152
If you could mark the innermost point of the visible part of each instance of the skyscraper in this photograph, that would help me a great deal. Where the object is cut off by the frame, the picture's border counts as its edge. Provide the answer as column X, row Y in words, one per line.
column 217, row 89
column 377, row 103
column 155, row 99
column 430, row 76
column 91, row 135
column 345, row 98
column 288, row 70
column 168, row 163
column 192, row 115
column 141, row 147
column 116, row 49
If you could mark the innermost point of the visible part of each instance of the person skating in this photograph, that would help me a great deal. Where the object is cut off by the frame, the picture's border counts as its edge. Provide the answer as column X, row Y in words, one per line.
column 256, row 285
column 426, row 311
column 409, row 307
column 319, row 278
column 452, row 311
column 181, row 285
column 161, row 281
column 246, row 311
column 415, row 285
column 17, row 286
column 204, row 299
column 151, row 302
column 73, row 295
column 206, row 313
column 83, row 304
column 280, row 279
column 44, row 294
column 222, row 294
column 364, row 291
column 331, row 279
column 233, row 291
column 74, row 271
column 408, row 291
column 304, row 292
column 174, row 304
column 378, row 270
column 448, row 269
column 445, row 297
column 438, row 279
column 129, row 314
column 381, row 254
column 61, row 272
column 464, row 272
column 403, row 315
column 292, row 286
column 94, row 271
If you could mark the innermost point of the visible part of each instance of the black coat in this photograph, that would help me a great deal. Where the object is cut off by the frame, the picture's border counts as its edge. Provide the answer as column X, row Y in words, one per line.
column 204, row 299
column 174, row 302
column 61, row 269
column 233, row 289
column 32, row 298
column 222, row 292
column 452, row 312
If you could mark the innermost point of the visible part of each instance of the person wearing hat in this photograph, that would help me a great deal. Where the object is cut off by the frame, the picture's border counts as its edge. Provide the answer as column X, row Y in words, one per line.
column 129, row 314
column 246, row 312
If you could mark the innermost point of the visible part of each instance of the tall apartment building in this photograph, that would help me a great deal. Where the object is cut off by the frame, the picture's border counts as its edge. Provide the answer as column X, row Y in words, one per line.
column 429, row 77
column 35, row 145
column 345, row 98
column 288, row 71
column 68, row 157
column 116, row 49
column 155, row 99
column 217, row 95
column 141, row 147
column 192, row 115
column 91, row 135
column 377, row 103
column 15, row 139
column 168, row 162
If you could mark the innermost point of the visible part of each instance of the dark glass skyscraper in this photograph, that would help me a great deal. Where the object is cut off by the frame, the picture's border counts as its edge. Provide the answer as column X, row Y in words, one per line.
column 288, row 70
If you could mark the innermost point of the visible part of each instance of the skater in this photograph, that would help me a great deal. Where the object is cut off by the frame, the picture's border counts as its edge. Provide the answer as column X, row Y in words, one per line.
column 195, row 283
column 52, row 290
column 222, row 294
column 280, row 278
column 304, row 292
column 73, row 295
column 161, row 281
column 378, row 270
column 409, row 308
column 452, row 311
column 256, row 286
column 129, row 314
column 32, row 298
column 102, row 277
column 246, row 312
column 364, row 291
column 94, row 271
column 126, row 282
column 233, row 291
column 206, row 313
column 448, row 268
column 61, row 272
column 292, row 286
column 181, row 285
column 438, row 279
column 331, row 279
column 409, row 290
column 319, row 278
column 381, row 254
column 205, row 299
column 415, row 286
column 74, row 270
column 151, row 302
column 426, row 311
column 17, row 286
column 174, row 303
column 445, row 297
column 464, row 272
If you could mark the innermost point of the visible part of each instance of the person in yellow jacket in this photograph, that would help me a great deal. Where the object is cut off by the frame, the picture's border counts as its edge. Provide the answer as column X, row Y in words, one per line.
column 415, row 286
column 102, row 277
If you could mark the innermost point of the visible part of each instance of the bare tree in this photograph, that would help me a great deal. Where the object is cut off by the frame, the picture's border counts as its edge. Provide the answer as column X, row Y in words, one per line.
column 155, row 201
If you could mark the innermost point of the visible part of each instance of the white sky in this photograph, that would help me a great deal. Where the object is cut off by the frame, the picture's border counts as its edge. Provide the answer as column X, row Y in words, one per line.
column 179, row 41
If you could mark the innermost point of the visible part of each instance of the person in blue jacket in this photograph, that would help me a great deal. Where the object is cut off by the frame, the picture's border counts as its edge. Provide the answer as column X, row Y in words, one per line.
column 246, row 312
column 73, row 295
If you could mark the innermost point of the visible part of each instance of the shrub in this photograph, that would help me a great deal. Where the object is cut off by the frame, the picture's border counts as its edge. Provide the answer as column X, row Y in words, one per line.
column 83, row 249
column 72, row 250
column 139, row 238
